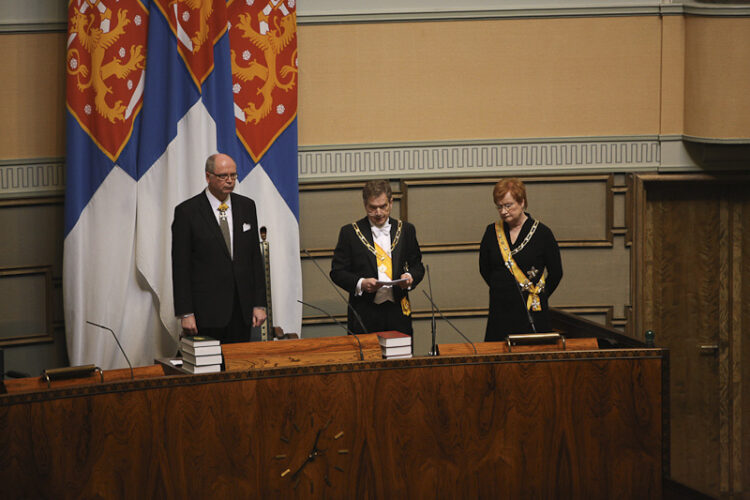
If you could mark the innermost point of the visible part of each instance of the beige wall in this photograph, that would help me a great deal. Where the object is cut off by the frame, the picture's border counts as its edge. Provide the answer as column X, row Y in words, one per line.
column 32, row 90
column 433, row 81
column 717, row 78
column 672, row 75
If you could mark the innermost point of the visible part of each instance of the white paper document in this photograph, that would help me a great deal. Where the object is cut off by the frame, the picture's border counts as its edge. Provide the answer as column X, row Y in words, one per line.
column 391, row 283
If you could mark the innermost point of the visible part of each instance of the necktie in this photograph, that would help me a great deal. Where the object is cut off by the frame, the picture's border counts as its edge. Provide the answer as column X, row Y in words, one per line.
column 224, row 226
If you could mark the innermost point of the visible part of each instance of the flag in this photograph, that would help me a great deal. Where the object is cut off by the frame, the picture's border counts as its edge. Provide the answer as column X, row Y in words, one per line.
column 153, row 88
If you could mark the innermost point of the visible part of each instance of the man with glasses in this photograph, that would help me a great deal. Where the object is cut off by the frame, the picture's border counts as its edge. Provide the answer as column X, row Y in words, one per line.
column 377, row 260
column 217, row 269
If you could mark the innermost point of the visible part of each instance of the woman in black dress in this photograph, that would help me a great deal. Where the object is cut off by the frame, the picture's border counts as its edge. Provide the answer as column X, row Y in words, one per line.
column 522, row 281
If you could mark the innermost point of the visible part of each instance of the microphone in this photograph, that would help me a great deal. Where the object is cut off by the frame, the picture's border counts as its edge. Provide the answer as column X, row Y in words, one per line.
column 433, row 351
column 132, row 375
column 356, row 314
column 523, row 302
column 452, row 325
column 361, row 354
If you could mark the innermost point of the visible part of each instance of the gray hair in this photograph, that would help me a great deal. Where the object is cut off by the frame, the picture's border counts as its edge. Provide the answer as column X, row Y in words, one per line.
column 211, row 163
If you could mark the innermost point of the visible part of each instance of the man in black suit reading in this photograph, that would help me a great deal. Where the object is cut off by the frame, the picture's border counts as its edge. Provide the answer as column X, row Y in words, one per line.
column 217, row 268
column 372, row 252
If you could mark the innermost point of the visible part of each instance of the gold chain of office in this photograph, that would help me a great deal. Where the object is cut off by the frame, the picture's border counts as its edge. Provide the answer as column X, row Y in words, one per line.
column 371, row 247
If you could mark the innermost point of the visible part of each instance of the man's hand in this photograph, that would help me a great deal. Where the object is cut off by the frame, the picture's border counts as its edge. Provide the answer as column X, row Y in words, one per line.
column 370, row 285
column 409, row 280
column 189, row 327
column 259, row 315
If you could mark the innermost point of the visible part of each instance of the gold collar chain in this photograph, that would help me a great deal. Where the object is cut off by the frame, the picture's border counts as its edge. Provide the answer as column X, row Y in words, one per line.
column 367, row 243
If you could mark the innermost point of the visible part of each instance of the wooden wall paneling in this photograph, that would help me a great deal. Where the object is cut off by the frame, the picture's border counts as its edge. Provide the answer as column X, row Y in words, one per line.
column 595, row 276
column 324, row 208
column 741, row 328
column 31, row 265
column 690, row 274
column 685, row 278
column 734, row 383
column 619, row 206
column 599, row 314
column 318, row 291
column 637, row 235
column 450, row 213
column 578, row 209
column 26, row 298
column 724, row 340
column 456, row 282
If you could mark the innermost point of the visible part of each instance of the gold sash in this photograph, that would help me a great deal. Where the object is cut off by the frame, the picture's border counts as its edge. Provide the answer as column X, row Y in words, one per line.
column 533, row 303
column 385, row 264
column 384, row 261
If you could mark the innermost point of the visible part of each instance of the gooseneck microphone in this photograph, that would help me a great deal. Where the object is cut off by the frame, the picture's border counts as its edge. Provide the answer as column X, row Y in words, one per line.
column 448, row 321
column 433, row 350
column 132, row 375
column 361, row 354
column 354, row 311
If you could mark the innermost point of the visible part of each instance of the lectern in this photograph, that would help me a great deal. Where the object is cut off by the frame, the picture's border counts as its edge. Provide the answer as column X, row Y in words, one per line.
column 553, row 424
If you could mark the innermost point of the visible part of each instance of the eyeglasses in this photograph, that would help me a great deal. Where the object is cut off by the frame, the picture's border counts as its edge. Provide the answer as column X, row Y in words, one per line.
column 506, row 206
column 224, row 177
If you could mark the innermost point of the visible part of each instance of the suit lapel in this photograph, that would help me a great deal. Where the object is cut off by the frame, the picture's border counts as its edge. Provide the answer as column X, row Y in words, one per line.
column 236, row 223
column 396, row 253
column 364, row 227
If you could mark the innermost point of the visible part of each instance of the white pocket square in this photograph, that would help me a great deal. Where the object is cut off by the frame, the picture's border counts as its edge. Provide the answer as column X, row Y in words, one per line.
column 245, row 227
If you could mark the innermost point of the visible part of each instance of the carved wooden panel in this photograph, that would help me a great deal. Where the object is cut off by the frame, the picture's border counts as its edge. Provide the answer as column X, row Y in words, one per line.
column 537, row 425
column 690, row 272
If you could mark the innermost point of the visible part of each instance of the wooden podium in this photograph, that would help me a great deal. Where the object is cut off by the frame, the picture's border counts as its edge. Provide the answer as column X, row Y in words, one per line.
column 560, row 424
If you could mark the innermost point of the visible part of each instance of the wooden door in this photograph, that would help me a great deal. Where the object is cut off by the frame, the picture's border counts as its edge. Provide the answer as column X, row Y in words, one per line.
column 690, row 263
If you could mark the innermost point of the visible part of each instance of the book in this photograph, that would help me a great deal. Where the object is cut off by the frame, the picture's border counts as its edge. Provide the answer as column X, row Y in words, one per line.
column 211, row 359
column 393, row 339
column 200, row 369
column 201, row 350
column 398, row 356
column 395, row 351
column 199, row 341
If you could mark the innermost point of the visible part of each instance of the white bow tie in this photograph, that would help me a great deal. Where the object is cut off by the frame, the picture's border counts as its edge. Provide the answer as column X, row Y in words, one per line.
column 381, row 231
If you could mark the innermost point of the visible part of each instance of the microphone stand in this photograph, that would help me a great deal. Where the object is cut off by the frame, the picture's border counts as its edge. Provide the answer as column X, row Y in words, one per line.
column 448, row 321
column 433, row 350
column 336, row 288
column 132, row 375
column 361, row 354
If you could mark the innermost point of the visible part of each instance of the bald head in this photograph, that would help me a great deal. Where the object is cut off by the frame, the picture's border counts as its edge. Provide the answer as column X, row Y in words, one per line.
column 221, row 175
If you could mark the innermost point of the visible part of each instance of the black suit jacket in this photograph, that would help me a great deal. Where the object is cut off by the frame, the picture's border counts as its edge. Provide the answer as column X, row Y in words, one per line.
column 204, row 276
column 352, row 260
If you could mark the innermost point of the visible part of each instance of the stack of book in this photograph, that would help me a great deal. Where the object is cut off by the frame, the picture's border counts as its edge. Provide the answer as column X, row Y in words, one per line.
column 395, row 345
column 201, row 354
